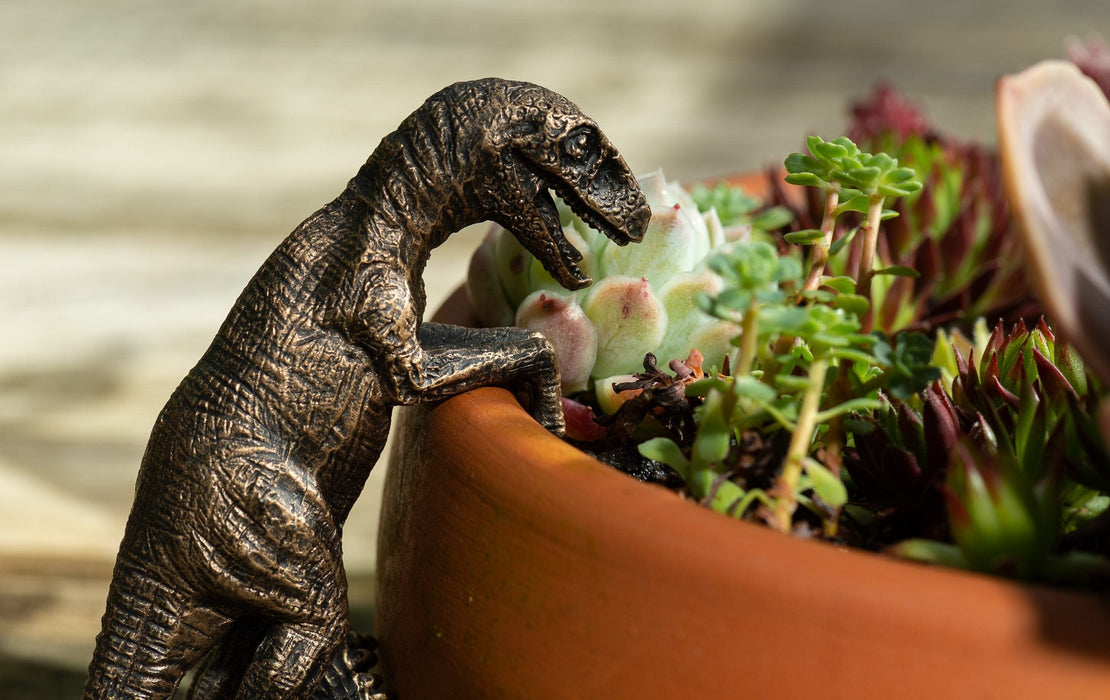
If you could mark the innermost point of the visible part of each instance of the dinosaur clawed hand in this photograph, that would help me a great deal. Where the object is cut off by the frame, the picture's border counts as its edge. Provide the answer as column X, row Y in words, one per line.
column 349, row 676
column 549, row 414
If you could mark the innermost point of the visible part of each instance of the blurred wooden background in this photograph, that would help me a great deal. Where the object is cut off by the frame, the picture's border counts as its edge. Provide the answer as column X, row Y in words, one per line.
column 153, row 153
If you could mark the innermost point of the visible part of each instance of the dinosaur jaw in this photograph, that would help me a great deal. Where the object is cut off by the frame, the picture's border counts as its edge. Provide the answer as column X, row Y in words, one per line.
column 553, row 250
column 620, row 212
column 622, row 220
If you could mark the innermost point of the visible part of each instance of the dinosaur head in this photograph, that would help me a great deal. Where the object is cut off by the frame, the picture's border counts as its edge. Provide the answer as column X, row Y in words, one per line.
column 538, row 143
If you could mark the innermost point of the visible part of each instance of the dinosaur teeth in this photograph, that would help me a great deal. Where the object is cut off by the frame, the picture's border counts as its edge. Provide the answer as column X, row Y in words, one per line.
column 566, row 269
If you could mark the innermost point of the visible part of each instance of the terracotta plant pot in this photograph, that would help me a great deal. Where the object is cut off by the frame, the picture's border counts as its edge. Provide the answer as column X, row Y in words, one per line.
column 513, row 565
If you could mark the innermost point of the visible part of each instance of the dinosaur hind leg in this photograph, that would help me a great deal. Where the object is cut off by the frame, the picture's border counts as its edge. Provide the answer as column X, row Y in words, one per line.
column 219, row 675
column 287, row 664
column 151, row 634
column 306, row 628
column 286, row 572
column 349, row 675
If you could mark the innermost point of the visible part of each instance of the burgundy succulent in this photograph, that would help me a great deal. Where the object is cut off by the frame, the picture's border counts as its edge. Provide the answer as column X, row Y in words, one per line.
column 885, row 113
column 1011, row 453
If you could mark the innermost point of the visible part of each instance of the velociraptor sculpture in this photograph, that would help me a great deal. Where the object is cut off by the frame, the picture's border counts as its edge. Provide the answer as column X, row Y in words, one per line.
column 233, row 542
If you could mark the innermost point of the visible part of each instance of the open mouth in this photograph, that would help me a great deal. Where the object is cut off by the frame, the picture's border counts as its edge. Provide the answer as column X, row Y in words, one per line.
column 563, row 265
column 558, row 256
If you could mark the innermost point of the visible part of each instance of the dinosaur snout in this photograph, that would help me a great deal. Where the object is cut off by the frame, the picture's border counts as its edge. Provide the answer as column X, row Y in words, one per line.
column 638, row 220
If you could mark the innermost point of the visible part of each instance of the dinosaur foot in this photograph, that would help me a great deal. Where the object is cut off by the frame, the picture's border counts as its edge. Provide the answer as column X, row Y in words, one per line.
column 550, row 416
column 349, row 676
column 547, row 409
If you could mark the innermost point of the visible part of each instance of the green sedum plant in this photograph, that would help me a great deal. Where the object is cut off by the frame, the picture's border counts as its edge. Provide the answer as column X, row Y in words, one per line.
column 864, row 182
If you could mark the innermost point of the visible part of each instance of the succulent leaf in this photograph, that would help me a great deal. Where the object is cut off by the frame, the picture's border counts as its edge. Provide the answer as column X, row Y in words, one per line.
column 672, row 244
column 630, row 321
column 565, row 324
column 1000, row 520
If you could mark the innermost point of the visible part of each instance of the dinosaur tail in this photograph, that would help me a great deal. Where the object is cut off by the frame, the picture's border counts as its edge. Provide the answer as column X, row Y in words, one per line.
column 143, row 646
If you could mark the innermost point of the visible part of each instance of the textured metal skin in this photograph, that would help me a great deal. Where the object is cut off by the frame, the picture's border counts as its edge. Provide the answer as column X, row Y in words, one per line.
column 233, row 543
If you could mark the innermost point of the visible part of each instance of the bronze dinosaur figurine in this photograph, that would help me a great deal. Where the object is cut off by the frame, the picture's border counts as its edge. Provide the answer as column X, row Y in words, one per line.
column 232, row 548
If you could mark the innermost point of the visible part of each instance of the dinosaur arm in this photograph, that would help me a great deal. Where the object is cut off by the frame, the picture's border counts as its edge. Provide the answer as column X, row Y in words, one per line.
column 386, row 323
column 430, row 362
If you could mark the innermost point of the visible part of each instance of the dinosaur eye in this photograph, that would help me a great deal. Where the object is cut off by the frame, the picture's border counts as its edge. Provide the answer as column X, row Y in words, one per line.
column 581, row 144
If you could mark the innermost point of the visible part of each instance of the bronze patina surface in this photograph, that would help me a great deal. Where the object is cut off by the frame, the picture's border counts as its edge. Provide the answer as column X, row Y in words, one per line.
column 232, row 552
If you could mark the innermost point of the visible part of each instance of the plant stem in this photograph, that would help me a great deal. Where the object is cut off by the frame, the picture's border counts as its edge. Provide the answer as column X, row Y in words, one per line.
column 748, row 338
column 821, row 250
column 834, row 438
column 786, row 485
column 865, row 271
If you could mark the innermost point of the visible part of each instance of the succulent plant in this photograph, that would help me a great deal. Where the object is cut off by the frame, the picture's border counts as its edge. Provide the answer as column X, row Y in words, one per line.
column 643, row 296
column 982, row 452
column 863, row 396
column 806, row 358
column 1007, row 439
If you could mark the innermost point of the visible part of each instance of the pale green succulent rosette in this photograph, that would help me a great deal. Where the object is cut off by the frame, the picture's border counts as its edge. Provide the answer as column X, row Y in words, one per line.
column 643, row 299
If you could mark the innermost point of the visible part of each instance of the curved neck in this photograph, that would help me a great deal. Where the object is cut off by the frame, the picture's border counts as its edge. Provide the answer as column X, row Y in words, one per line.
column 418, row 182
